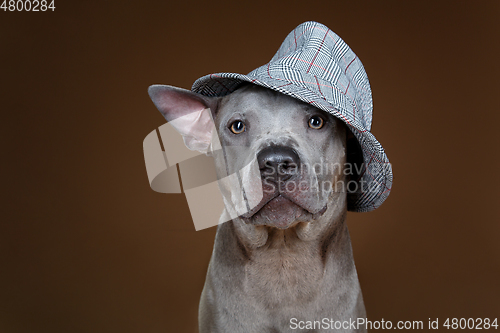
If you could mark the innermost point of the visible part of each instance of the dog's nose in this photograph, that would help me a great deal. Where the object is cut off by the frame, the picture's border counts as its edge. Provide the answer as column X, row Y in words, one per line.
column 278, row 163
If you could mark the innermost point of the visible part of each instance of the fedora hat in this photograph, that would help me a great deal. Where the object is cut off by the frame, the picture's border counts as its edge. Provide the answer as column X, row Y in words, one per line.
column 316, row 66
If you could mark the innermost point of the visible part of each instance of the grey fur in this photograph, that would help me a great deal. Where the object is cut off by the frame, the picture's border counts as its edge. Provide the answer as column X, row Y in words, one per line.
column 292, row 261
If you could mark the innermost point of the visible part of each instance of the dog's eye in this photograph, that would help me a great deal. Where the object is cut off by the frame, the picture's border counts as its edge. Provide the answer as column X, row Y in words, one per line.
column 316, row 122
column 237, row 127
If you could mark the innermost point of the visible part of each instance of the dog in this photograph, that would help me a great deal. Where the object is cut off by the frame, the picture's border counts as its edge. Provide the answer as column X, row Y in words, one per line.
column 284, row 262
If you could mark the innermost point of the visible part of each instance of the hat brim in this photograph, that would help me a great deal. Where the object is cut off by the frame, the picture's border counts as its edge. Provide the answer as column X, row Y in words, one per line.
column 376, row 179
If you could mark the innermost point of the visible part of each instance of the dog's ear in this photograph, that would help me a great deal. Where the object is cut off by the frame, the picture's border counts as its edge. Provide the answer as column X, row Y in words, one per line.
column 188, row 112
column 354, row 157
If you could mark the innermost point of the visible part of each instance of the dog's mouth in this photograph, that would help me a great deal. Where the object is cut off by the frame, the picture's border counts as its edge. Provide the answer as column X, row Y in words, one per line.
column 288, row 195
column 280, row 212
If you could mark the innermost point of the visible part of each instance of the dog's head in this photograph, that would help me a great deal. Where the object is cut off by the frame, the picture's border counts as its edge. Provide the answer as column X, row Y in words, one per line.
column 299, row 151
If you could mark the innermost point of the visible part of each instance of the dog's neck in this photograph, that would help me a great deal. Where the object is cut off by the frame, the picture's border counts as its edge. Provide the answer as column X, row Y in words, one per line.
column 271, row 255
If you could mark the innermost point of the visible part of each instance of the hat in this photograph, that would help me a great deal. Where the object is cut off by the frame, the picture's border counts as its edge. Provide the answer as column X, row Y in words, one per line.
column 316, row 66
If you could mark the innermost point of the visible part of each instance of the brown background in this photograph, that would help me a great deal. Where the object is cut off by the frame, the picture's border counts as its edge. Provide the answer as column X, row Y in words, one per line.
column 87, row 246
